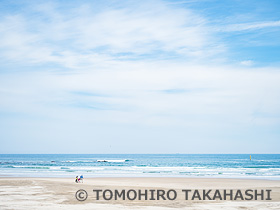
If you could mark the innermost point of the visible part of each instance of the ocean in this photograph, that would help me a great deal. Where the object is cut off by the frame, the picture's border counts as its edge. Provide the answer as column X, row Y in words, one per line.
column 263, row 166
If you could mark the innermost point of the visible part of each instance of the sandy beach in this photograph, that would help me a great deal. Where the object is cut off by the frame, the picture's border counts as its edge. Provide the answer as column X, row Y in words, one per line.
column 59, row 193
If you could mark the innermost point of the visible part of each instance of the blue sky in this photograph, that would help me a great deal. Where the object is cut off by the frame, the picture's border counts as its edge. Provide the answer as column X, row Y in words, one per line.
column 140, row 76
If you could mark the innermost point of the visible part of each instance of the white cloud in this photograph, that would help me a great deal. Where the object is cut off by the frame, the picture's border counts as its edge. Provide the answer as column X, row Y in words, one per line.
column 134, row 66
column 84, row 36
column 136, row 93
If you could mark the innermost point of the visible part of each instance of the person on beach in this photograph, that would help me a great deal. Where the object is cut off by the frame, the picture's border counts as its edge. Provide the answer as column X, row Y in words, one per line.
column 76, row 180
column 82, row 178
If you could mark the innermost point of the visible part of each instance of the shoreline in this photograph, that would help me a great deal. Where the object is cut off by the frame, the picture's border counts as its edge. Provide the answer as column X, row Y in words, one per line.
column 140, row 177
column 134, row 177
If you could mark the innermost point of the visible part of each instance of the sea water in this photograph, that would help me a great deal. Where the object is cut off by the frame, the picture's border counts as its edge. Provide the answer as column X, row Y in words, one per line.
column 264, row 166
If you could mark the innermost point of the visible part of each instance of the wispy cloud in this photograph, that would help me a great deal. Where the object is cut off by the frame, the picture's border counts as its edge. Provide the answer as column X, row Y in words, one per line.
column 84, row 36
column 247, row 62
column 251, row 26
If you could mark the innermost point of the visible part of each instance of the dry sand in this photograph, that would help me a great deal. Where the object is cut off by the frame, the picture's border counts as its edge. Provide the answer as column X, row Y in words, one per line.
column 59, row 193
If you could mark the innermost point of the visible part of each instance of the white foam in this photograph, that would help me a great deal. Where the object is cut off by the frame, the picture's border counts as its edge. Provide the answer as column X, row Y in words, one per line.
column 113, row 161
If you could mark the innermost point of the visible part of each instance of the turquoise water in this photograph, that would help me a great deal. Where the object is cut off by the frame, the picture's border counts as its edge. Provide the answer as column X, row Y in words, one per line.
column 265, row 166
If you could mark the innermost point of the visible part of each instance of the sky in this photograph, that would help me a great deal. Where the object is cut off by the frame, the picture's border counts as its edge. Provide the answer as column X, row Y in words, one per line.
column 185, row 76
